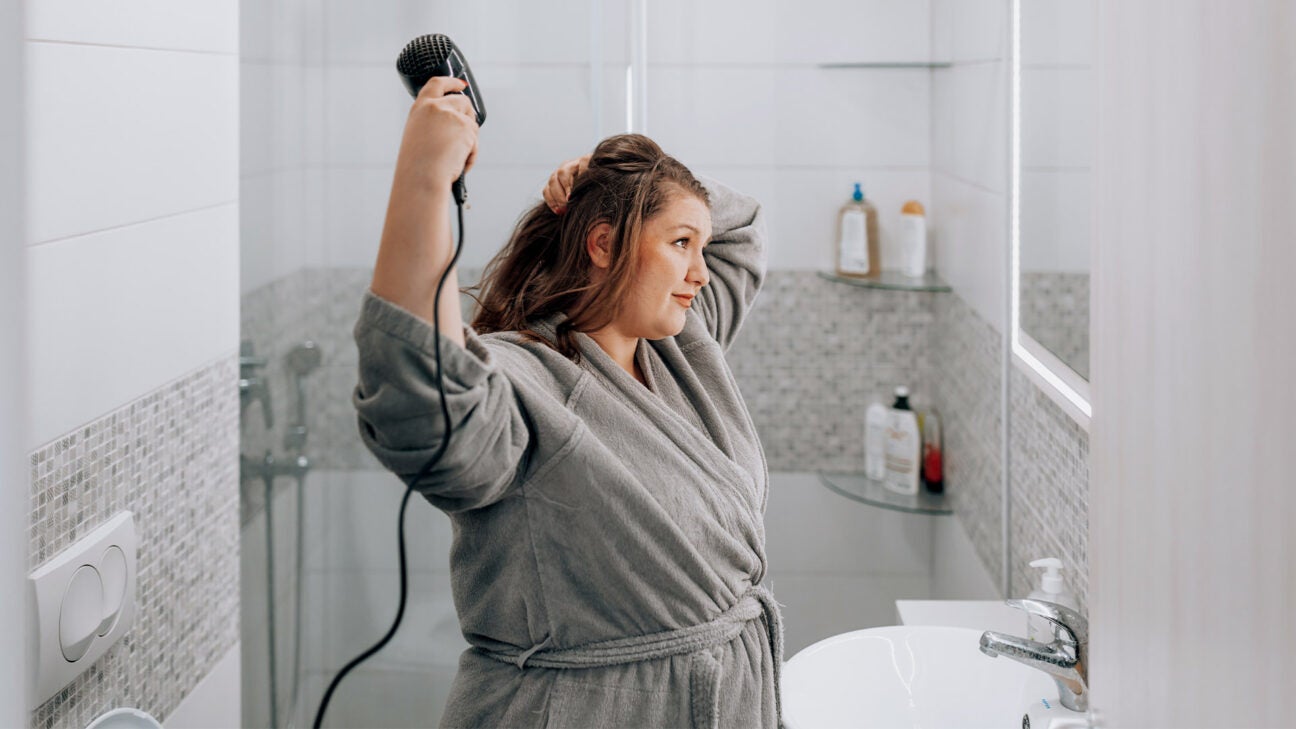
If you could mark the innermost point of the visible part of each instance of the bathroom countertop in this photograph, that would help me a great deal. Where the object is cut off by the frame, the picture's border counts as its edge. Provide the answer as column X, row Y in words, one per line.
column 978, row 614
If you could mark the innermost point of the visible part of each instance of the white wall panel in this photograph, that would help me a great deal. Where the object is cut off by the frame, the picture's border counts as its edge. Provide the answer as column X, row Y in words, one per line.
column 980, row 124
column 970, row 230
column 1192, row 580
column 487, row 31
column 540, row 115
column 119, row 135
column 767, row 32
column 210, row 26
column 757, row 116
column 116, row 313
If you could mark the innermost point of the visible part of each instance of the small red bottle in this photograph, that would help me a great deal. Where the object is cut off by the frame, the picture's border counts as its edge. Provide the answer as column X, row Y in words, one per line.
column 933, row 469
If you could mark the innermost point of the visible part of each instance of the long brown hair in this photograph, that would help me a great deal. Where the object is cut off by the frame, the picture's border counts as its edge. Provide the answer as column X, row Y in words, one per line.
column 545, row 268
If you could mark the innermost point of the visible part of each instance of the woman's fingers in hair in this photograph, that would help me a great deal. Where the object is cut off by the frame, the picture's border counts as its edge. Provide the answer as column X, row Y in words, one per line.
column 562, row 181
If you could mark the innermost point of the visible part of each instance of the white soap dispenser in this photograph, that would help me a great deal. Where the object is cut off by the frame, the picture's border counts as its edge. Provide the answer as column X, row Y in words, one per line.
column 1052, row 590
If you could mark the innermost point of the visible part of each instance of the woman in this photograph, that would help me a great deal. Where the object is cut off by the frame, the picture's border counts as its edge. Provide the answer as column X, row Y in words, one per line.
column 604, row 479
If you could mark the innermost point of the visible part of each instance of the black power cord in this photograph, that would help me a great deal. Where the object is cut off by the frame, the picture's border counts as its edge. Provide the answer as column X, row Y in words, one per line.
column 409, row 491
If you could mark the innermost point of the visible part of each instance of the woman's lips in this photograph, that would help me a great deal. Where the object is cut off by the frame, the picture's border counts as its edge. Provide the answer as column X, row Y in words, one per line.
column 686, row 300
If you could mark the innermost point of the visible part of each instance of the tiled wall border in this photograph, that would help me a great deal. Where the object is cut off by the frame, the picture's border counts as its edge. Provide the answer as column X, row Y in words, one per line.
column 171, row 458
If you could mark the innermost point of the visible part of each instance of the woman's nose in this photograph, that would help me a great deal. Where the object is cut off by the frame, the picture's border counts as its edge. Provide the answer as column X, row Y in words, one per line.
column 698, row 272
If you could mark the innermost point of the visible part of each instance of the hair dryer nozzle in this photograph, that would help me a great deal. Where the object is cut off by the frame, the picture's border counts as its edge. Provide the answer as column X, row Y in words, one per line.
column 436, row 55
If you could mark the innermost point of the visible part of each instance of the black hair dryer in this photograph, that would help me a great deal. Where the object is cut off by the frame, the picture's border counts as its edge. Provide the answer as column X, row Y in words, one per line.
column 436, row 55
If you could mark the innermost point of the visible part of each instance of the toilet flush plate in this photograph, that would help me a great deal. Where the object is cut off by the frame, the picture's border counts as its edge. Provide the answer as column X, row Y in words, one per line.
column 82, row 601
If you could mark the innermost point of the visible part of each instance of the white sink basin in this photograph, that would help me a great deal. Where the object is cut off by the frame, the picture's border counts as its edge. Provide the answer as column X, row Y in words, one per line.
column 913, row 676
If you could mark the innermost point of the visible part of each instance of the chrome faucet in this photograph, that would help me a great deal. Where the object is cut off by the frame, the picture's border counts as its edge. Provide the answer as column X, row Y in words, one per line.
column 1066, row 658
column 253, row 386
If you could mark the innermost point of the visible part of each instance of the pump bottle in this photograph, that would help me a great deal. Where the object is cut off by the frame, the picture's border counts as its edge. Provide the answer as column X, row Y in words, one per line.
column 857, row 238
column 1052, row 590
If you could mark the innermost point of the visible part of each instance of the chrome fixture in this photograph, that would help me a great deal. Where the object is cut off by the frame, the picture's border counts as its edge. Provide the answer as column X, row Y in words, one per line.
column 1066, row 658
column 302, row 360
column 252, row 384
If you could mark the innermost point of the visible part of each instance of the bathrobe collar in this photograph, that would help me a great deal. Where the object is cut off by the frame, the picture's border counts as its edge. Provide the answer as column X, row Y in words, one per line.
column 700, row 446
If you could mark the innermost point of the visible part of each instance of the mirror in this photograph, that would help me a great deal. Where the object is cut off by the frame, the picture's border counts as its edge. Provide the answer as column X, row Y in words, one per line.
column 1053, row 122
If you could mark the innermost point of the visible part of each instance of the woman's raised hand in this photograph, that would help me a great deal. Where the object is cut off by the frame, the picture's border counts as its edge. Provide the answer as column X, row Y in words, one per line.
column 561, row 181
column 440, row 139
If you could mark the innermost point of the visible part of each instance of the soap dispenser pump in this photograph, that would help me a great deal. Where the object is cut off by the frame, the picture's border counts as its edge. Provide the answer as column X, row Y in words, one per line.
column 1052, row 590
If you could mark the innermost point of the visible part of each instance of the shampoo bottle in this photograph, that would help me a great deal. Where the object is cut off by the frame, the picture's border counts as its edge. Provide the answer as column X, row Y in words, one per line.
column 1050, row 589
column 913, row 238
column 857, row 238
column 876, row 421
column 903, row 444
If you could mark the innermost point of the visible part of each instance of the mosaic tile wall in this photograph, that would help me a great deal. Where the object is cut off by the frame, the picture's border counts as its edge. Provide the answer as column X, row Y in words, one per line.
column 1055, row 311
column 810, row 356
column 169, row 457
column 1049, row 453
column 969, row 357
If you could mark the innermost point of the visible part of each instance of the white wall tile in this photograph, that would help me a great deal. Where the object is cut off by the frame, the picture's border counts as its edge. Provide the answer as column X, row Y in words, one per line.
column 943, row 30
column 116, row 136
column 1058, row 31
column 768, row 32
column 957, row 572
column 285, row 31
column 1056, row 220
column 280, row 226
column 360, row 606
column 487, row 32
column 969, row 227
column 1057, row 117
column 801, row 206
column 115, row 313
column 809, row 528
column 276, row 110
column 795, row 117
column 361, row 507
column 540, row 115
column 980, row 29
column 980, row 124
column 212, row 25
column 820, row 606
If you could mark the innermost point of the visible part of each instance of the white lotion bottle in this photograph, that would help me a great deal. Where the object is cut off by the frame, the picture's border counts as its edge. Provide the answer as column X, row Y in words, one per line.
column 903, row 446
column 1050, row 589
column 876, row 421
column 913, row 238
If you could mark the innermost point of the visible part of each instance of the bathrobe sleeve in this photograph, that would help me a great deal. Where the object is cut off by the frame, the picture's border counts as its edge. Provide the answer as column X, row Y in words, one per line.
column 736, row 258
column 399, row 410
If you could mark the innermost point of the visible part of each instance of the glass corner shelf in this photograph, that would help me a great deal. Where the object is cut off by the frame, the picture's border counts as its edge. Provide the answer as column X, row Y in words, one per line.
column 858, row 487
column 892, row 280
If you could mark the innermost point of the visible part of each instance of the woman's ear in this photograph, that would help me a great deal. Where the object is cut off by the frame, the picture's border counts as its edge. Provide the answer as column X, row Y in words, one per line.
column 599, row 245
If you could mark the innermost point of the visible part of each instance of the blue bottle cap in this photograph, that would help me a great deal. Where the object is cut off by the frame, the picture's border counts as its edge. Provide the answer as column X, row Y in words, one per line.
column 859, row 195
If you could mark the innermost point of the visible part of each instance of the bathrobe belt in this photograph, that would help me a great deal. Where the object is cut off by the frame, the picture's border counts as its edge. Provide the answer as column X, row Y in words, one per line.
column 705, row 670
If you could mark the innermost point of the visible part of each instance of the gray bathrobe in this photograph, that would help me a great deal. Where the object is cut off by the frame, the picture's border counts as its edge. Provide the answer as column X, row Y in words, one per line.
column 609, row 542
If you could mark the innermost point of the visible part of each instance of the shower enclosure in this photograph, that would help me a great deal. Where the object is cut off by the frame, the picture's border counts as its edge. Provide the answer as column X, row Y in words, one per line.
column 764, row 96
column 322, row 110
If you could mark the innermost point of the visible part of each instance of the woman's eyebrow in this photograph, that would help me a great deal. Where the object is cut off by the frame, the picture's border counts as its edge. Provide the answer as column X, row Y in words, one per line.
column 695, row 230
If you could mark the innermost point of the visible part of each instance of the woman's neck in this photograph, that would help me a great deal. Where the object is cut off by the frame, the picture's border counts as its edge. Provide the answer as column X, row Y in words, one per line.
column 620, row 348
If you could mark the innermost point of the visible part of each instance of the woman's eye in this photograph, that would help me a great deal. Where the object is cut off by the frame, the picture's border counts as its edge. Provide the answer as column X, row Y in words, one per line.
column 684, row 241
